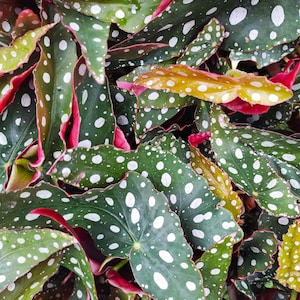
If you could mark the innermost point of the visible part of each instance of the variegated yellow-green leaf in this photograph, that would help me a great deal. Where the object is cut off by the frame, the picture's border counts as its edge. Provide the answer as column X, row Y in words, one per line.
column 213, row 87
column 218, row 181
column 288, row 272
column 13, row 56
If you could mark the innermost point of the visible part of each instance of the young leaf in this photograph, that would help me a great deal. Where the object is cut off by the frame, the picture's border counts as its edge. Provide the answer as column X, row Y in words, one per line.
column 12, row 57
column 26, row 252
column 213, row 87
column 288, row 272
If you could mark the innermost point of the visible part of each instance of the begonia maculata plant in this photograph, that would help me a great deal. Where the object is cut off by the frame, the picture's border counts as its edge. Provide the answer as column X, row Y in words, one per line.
column 149, row 149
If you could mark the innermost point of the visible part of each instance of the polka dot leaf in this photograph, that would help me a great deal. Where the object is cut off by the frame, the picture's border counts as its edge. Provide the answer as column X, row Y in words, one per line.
column 213, row 87
column 251, row 26
column 75, row 260
column 27, row 20
column 25, row 249
column 280, row 225
column 91, row 35
column 18, row 128
column 124, row 220
column 248, row 170
column 256, row 253
column 52, row 78
column 13, row 56
column 214, row 264
column 205, row 45
column 102, row 165
column 288, row 273
column 32, row 282
column 218, row 181
column 95, row 109
column 130, row 16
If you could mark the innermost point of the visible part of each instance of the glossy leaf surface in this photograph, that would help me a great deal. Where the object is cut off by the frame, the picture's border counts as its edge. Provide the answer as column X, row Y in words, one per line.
column 124, row 227
column 251, row 172
column 188, row 194
column 27, row 252
column 289, row 263
column 213, row 87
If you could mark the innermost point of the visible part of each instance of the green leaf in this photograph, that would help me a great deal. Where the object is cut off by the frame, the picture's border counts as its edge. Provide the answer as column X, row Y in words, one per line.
column 289, row 263
column 131, row 16
column 214, row 265
column 91, row 35
column 256, row 253
column 245, row 31
column 124, row 220
column 204, row 45
column 249, row 171
column 18, row 128
column 22, row 250
column 74, row 259
column 52, row 79
column 279, row 225
column 213, row 87
column 12, row 57
column 27, row 286
column 188, row 193
column 95, row 109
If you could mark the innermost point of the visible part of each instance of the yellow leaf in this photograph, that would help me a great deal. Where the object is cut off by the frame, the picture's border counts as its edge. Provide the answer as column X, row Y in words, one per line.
column 218, row 181
column 216, row 88
column 288, row 273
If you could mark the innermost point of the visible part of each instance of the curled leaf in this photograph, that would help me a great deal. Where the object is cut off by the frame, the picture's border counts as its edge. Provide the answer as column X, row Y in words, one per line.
column 213, row 87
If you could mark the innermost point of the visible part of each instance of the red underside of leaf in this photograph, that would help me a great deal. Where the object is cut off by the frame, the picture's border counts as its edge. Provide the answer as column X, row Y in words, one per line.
column 238, row 105
column 162, row 6
column 114, row 278
column 120, row 140
column 198, row 138
column 15, row 84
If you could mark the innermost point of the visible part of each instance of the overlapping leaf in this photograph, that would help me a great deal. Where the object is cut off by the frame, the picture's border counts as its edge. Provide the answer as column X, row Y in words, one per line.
column 213, row 87
column 75, row 260
column 25, row 249
column 246, row 31
column 188, row 193
column 52, row 79
column 91, row 35
column 218, row 181
column 205, row 44
column 289, row 264
column 31, row 283
column 124, row 220
column 12, row 57
column 214, row 265
column 18, row 128
column 95, row 108
column 130, row 16
column 249, row 171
